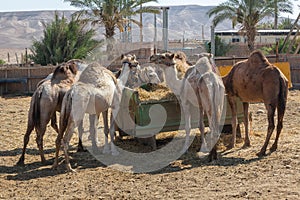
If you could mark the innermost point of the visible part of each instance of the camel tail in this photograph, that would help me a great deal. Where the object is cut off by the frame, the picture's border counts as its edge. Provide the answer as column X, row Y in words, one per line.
column 217, row 99
column 65, row 111
column 282, row 98
column 36, row 112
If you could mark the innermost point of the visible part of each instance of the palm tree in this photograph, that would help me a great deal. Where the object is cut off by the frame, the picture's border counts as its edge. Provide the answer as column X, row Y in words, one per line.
column 63, row 40
column 112, row 13
column 245, row 12
column 285, row 24
column 280, row 6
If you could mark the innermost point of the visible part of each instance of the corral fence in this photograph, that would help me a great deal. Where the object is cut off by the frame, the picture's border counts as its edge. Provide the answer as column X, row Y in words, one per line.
column 23, row 80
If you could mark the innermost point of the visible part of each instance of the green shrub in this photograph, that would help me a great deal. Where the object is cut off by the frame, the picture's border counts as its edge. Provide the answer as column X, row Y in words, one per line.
column 63, row 41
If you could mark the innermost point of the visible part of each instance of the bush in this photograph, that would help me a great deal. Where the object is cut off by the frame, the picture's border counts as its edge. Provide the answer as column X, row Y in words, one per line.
column 2, row 62
column 221, row 47
column 63, row 41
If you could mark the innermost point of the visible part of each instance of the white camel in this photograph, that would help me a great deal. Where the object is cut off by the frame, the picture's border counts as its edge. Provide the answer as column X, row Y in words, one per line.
column 202, row 88
column 95, row 92
column 133, row 75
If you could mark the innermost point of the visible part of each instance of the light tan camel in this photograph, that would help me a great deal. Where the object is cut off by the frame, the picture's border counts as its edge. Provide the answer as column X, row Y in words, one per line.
column 95, row 92
column 257, row 80
column 133, row 75
column 45, row 102
column 182, row 64
column 201, row 88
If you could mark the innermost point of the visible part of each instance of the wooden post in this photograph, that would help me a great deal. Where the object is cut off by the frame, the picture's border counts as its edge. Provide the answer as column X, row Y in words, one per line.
column 17, row 58
column 28, row 80
column 8, row 59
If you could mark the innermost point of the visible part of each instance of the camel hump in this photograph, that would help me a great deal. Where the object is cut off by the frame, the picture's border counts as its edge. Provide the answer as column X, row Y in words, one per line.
column 258, row 58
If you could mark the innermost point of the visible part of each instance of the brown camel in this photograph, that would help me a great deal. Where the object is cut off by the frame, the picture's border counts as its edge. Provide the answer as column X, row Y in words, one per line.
column 257, row 80
column 45, row 101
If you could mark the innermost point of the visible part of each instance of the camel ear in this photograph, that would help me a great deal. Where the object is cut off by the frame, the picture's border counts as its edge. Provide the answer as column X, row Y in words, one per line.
column 177, row 56
column 133, row 57
column 73, row 67
column 122, row 56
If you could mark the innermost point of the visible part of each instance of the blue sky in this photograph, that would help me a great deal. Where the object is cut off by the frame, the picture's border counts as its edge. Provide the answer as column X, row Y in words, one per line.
column 29, row 5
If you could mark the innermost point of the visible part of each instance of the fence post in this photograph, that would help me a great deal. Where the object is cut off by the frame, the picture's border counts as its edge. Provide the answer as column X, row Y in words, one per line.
column 212, row 40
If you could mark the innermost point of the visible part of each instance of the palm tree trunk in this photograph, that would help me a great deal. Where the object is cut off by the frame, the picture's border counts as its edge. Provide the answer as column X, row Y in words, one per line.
column 275, row 14
column 250, row 34
column 141, row 26
column 109, row 34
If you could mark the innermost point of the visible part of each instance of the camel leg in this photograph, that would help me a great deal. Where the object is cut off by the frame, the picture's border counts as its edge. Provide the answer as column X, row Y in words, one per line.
column 280, row 114
column 232, row 104
column 246, row 123
column 114, row 151
column 80, row 147
column 65, row 143
column 271, row 126
column 39, row 140
column 106, row 131
column 53, row 122
column 30, row 128
column 187, row 118
column 213, row 155
column 93, row 118
column 58, row 142
column 202, row 132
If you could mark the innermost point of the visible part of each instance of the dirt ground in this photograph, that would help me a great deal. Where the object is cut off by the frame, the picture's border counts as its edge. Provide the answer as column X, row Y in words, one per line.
column 237, row 174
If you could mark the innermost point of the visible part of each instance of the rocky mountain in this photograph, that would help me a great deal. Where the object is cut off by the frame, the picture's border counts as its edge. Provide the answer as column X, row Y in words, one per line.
column 19, row 29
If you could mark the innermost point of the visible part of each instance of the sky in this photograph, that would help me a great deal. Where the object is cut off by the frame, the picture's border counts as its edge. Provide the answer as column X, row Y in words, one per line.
column 32, row 5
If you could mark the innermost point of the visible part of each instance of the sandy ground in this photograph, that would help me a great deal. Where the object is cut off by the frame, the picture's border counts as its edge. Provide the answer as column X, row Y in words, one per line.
column 237, row 174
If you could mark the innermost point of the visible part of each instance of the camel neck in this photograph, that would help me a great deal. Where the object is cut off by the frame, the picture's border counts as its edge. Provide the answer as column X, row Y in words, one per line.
column 124, row 74
column 171, row 79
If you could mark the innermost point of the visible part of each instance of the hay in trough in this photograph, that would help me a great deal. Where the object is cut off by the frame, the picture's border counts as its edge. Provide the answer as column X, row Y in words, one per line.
column 155, row 92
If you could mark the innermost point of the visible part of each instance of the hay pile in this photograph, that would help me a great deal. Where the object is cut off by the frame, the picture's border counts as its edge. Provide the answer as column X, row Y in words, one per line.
column 155, row 92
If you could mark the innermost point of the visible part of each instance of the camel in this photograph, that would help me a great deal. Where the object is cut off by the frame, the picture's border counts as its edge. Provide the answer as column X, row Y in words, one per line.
column 45, row 102
column 133, row 75
column 182, row 64
column 95, row 92
column 257, row 80
column 202, row 88
column 81, row 65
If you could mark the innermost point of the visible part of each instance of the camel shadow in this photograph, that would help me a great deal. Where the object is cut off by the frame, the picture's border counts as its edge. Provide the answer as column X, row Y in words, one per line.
column 32, row 170
column 191, row 160
column 29, row 151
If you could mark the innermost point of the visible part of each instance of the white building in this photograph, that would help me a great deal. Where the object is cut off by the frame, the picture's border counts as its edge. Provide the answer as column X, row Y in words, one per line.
column 263, row 36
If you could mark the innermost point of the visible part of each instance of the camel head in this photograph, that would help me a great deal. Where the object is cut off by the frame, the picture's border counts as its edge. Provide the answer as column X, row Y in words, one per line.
column 164, row 59
column 149, row 75
column 130, row 60
column 204, row 57
column 65, row 71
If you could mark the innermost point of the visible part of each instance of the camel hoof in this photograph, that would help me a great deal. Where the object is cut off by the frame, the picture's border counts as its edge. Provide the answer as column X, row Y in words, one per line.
column 71, row 170
column 246, row 145
column 231, row 146
column 46, row 162
column 20, row 163
column 261, row 154
column 54, row 166
column 81, row 150
column 273, row 148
